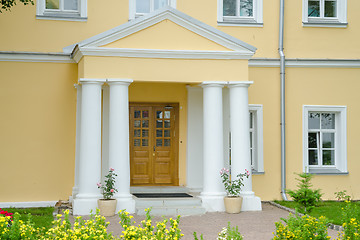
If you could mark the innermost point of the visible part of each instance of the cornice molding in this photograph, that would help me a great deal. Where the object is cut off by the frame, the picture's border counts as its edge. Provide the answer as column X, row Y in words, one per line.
column 35, row 57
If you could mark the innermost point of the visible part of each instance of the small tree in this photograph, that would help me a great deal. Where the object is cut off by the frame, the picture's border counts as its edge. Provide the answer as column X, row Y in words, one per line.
column 8, row 4
column 306, row 197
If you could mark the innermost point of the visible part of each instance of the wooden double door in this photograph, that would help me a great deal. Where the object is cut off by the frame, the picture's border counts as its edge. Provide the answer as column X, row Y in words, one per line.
column 154, row 144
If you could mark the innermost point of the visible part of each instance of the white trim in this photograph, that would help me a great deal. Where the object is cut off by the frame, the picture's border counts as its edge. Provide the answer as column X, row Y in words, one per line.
column 307, row 63
column 255, row 21
column 150, row 53
column 35, row 57
column 340, row 141
column 27, row 204
column 257, row 110
column 76, row 15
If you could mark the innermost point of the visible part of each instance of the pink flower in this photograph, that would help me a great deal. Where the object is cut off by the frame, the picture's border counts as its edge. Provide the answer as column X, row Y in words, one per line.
column 112, row 190
column 111, row 169
column 98, row 184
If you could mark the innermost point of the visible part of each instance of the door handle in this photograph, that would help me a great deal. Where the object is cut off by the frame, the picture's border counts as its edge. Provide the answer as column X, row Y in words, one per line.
column 154, row 152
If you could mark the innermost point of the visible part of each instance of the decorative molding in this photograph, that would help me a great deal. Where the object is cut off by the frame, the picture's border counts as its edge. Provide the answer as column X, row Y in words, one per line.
column 27, row 204
column 307, row 63
column 35, row 57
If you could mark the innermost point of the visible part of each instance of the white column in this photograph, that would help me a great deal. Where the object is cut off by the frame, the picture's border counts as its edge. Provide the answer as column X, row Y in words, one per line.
column 75, row 189
column 119, row 156
column 105, row 132
column 213, row 190
column 90, row 147
column 240, row 142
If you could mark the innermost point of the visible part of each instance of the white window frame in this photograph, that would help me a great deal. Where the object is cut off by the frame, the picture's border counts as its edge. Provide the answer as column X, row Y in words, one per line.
column 340, row 166
column 132, row 8
column 339, row 21
column 61, row 14
column 255, row 21
column 257, row 144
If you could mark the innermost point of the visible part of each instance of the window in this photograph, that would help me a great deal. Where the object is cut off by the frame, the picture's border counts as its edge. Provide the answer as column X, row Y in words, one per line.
column 73, row 10
column 240, row 12
column 141, row 7
column 325, row 139
column 256, row 138
column 327, row 13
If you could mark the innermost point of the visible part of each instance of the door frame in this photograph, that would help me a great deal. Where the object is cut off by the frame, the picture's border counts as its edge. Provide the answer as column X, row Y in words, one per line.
column 175, row 105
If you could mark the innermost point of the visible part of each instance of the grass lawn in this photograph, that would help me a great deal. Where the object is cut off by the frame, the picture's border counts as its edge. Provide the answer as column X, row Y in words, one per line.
column 41, row 217
column 330, row 209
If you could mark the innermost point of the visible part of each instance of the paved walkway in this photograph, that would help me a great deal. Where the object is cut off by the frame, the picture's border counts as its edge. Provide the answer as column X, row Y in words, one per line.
column 252, row 225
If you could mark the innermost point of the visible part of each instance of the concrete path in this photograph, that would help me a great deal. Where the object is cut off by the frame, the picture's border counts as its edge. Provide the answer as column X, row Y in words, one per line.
column 252, row 225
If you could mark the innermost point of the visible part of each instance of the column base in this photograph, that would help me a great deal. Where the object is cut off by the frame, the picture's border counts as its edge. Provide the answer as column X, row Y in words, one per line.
column 75, row 191
column 127, row 203
column 213, row 202
column 250, row 202
column 83, row 206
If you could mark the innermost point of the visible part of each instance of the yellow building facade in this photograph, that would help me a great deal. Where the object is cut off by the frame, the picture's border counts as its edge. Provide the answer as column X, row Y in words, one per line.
column 166, row 92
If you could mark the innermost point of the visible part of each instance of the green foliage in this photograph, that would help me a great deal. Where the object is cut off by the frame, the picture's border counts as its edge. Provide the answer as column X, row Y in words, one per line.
column 41, row 217
column 108, row 189
column 8, row 4
column 306, row 197
column 233, row 186
column 229, row 233
column 301, row 228
column 351, row 224
column 196, row 237
column 342, row 196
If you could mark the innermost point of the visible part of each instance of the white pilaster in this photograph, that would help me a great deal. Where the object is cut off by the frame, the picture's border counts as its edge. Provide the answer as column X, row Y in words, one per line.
column 119, row 156
column 90, row 147
column 105, row 132
column 75, row 188
column 213, row 190
column 240, row 142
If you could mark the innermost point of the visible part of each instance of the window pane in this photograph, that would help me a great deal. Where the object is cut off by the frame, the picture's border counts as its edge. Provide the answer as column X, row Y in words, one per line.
column 71, row 4
column 246, row 8
column 167, row 114
column 159, row 142
column 145, row 123
column 328, row 140
column 313, row 157
column 158, row 133
column 137, row 133
column 145, row 114
column 328, row 157
column 136, row 114
column 145, row 133
column 137, row 123
column 167, row 142
column 142, row 6
column 251, row 119
column 327, row 121
column 52, row 4
column 159, row 123
column 137, row 142
column 159, row 114
column 167, row 123
column 251, row 139
column 229, row 7
column 312, row 140
column 314, row 9
column 330, row 9
column 314, row 121
column 145, row 143
column 166, row 133
column 160, row 3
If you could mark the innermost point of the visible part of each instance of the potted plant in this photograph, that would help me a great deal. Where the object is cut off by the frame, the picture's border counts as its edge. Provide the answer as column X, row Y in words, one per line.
column 107, row 204
column 233, row 199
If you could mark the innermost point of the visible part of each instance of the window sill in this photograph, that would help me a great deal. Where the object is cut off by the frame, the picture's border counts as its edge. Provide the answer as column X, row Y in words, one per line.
column 319, row 23
column 60, row 17
column 332, row 171
column 240, row 24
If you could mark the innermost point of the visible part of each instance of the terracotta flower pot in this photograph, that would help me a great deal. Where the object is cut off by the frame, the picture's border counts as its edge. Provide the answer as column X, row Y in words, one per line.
column 233, row 204
column 107, row 207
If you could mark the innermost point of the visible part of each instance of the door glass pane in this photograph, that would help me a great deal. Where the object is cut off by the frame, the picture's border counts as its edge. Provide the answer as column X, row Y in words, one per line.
column 167, row 114
column 142, row 6
column 313, row 157
column 159, row 123
column 328, row 121
column 328, row 157
column 159, row 142
column 137, row 123
column 52, row 4
column 160, row 3
column 166, row 133
column 167, row 142
column 328, row 140
column 145, row 123
column 251, row 122
column 136, row 114
column 145, row 142
column 145, row 114
column 314, row 121
column 158, row 133
column 330, row 8
column 229, row 7
column 167, row 124
column 314, row 8
column 137, row 133
column 71, row 4
column 312, row 140
column 159, row 114
column 137, row 142
column 145, row 133
column 251, row 137
column 246, row 8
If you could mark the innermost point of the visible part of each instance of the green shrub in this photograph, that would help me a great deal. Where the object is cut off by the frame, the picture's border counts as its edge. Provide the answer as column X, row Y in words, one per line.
column 351, row 224
column 229, row 233
column 306, row 197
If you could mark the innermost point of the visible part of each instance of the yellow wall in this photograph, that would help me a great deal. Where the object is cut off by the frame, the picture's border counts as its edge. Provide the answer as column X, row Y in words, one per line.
column 166, row 92
column 37, row 126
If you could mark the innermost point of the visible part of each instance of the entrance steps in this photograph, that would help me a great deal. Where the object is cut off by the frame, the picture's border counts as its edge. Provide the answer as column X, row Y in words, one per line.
column 167, row 206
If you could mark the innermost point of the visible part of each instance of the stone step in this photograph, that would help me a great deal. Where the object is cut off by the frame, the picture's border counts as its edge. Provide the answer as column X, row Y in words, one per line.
column 167, row 202
column 165, row 189
column 172, row 211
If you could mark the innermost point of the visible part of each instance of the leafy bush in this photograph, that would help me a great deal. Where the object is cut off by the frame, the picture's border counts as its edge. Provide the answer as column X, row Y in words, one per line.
column 342, row 196
column 351, row 224
column 301, row 228
column 229, row 233
column 306, row 197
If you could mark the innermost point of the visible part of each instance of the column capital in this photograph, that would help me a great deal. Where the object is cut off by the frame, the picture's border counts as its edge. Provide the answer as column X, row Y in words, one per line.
column 92, row 81
column 119, row 81
column 240, row 84
column 213, row 84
